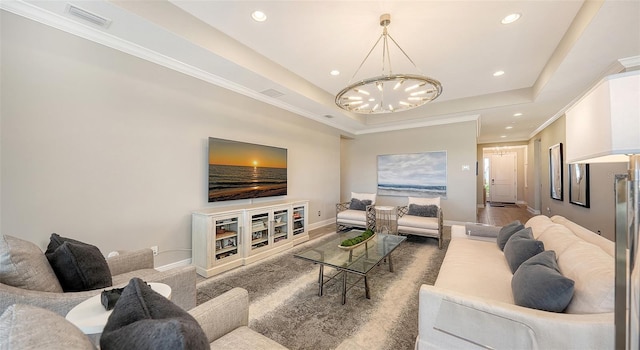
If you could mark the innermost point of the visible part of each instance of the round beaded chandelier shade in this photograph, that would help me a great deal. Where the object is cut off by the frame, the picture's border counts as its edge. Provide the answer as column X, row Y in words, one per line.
column 388, row 92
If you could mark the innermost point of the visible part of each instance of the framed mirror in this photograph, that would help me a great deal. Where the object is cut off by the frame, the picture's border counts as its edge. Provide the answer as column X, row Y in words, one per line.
column 579, row 184
column 555, row 172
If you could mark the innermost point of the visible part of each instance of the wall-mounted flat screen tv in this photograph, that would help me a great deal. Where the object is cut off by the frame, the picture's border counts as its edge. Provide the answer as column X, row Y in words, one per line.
column 240, row 170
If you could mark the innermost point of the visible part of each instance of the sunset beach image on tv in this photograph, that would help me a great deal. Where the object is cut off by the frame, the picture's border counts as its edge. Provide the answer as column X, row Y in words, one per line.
column 240, row 170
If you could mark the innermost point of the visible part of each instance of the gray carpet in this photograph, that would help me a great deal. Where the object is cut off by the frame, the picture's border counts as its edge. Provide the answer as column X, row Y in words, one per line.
column 285, row 306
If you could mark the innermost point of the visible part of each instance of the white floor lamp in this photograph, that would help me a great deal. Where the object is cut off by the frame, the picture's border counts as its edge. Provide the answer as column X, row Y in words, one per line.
column 604, row 127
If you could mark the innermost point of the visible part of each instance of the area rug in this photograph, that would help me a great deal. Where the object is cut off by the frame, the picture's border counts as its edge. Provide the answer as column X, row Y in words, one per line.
column 503, row 205
column 285, row 306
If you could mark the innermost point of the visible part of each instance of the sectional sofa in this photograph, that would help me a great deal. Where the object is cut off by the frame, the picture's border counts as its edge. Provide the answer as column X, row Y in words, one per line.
column 472, row 302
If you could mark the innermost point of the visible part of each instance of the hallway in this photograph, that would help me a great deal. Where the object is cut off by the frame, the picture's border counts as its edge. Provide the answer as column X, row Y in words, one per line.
column 500, row 216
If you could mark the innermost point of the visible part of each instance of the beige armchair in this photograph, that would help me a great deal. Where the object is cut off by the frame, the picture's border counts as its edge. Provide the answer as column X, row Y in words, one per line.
column 421, row 217
column 223, row 319
column 27, row 258
column 357, row 213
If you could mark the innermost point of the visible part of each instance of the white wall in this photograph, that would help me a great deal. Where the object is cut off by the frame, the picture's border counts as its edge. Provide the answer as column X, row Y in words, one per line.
column 359, row 164
column 106, row 148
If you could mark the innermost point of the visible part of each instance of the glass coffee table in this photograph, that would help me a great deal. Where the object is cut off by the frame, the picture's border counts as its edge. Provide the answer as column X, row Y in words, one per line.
column 358, row 261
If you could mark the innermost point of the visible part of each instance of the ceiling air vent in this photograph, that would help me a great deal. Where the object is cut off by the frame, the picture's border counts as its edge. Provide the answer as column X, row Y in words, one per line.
column 272, row 93
column 88, row 16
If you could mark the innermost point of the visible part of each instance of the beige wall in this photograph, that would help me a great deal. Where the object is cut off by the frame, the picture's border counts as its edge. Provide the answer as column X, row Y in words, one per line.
column 600, row 216
column 359, row 163
column 107, row 148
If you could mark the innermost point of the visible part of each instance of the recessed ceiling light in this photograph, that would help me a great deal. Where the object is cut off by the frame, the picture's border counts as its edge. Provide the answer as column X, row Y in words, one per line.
column 503, row 136
column 517, row 114
column 259, row 16
column 335, row 72
column 510, row 18
column 509, row 127
column 498, row 73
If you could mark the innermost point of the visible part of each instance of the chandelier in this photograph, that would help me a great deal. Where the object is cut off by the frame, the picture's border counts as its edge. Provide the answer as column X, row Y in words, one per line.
column 388, row 92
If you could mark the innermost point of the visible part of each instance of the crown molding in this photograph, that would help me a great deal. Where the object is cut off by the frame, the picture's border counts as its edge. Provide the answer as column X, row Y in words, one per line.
column 101, row 37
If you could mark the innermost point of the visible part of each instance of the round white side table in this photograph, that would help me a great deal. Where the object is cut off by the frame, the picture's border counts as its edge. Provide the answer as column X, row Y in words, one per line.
column 385, row 219
column 91, row 317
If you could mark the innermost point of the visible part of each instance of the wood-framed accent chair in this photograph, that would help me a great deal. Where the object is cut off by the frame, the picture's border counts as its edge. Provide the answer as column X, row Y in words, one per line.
column 421, row 217
column 357, row 213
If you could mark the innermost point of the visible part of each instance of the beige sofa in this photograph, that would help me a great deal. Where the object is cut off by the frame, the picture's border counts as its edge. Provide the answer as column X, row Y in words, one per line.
column 472, row 304
column 27, row 278
column 223, row 319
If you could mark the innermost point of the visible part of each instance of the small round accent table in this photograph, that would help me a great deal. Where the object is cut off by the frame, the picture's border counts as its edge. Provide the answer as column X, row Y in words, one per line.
column 385, row 219
column 91, row 317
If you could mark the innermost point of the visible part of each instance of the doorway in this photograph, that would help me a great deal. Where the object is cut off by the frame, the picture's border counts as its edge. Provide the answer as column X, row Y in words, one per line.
column 500, row 173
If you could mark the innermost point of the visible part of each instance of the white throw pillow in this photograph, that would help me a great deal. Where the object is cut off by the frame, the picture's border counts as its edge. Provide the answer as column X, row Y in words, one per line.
column 424, row 201
column 364, row 196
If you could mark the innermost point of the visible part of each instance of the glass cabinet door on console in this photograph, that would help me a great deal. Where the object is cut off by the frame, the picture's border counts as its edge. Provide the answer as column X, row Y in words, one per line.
column 298, row 220
column 259, row 231
column 217, row 241
column 300, row 231
column 280, row 226
column 227, row 239
column 269, row 231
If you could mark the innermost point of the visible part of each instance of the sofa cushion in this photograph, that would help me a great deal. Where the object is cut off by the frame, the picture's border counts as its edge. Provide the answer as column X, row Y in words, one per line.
column 79, row 266
column 587, row 235
column 593, row 271
column 538, row 224
column 144, row 319
column 558, row 238
column 357, row 204
column 520, row 247
column 364, row 196
column 466, row 260
column 538, row 284
column 352, row 215
column 430, row 211
column 506, row 232
column 22, row 265
column 30, row 327
column 419, row 222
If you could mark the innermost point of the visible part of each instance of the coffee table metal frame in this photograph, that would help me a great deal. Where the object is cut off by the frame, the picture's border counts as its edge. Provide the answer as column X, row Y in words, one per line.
column 358, row 261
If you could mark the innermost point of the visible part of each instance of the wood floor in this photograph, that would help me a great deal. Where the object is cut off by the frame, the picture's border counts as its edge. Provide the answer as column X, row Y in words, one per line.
column 500, row 216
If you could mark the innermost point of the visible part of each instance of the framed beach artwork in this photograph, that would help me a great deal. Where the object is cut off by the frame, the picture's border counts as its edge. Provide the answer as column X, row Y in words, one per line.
column 579, row 184
column 413, row 174
column 241, row 170
column 555, row 172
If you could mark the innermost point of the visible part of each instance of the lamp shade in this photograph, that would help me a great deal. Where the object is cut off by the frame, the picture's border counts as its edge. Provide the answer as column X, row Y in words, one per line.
column 604, row 125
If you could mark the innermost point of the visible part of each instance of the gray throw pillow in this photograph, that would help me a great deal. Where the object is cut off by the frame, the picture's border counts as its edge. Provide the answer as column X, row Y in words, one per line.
column 520, row 247
column 506, row 232
column 357, row 204
column 30, row 327
column 144, row 319
column 79, row 266
column 430, row 211
column 538, row 284
column 22, row 265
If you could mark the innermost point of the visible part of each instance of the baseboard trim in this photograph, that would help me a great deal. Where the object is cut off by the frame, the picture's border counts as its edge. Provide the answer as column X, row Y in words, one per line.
column 533, row 211
column 322, row 223
column 181, row 263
